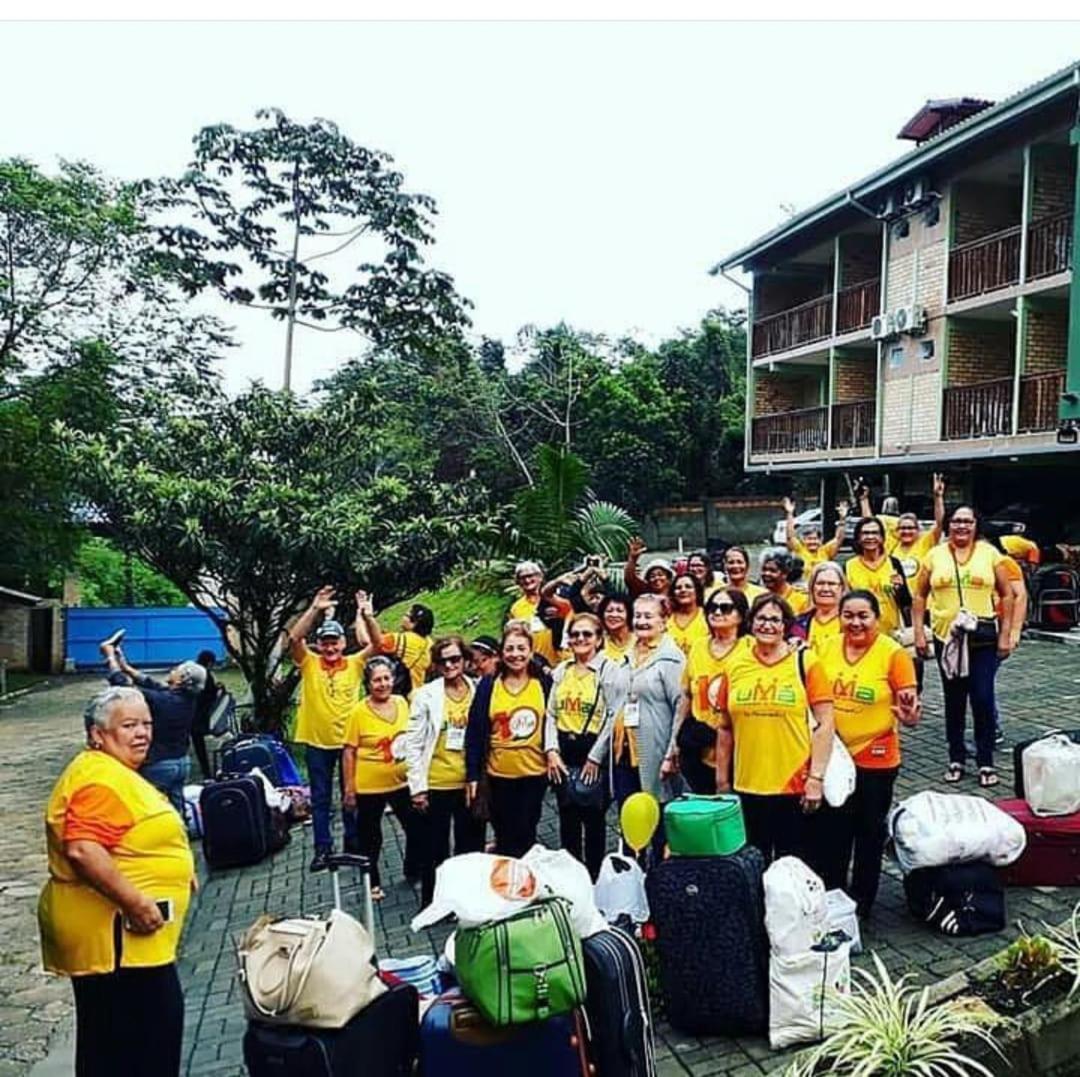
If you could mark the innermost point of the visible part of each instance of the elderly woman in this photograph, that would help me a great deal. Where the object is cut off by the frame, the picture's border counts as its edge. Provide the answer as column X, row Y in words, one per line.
column 120, row 879
column 686, row 618
column 776, row 565
column 657, row 577
column 819, row 626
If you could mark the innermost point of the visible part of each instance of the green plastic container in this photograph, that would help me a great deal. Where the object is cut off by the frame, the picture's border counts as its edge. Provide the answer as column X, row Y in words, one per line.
column 704, row 826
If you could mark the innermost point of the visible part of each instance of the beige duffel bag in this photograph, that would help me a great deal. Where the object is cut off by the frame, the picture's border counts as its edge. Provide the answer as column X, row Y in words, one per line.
column 306, row 971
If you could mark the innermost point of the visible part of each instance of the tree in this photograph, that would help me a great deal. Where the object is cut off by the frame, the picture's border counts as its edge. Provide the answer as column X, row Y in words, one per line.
column 110, row 577
column 250, row 509
column 268, row 205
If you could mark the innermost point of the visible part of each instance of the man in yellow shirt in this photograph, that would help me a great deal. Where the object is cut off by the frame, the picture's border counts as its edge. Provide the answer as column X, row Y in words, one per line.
column 329, row 690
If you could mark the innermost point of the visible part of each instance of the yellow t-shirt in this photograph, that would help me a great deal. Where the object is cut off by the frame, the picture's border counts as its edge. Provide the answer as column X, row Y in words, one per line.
column 863, row 693
column 380, row 746
column 328, row 694
column 686, row 634
column 447, row 769
column 750, row 590
column 765, row 707
column 98, row 798
column 976, row 579
column 616, row 653
column 703, row 678
column 799, row 601
column 579, row 703
column 527, row 609
column 414, row 651
column 1021, row 549
column 861, row 577
column 823, row 633
column 911, row 556
column 517, row 731
column 825, row 552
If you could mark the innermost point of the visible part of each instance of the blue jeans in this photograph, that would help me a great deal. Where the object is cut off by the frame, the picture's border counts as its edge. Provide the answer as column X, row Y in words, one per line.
column 170, row 776
column 320, row 764
column 978, row 686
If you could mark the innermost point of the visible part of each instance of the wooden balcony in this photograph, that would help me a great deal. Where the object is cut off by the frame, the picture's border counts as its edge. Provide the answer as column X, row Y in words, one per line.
column 985, row 265
column 1049, row 246
column 857, row 304
column 853, row 425
column 805, row 430
column 1040, row 395
column 982, row 410
column 799, row 325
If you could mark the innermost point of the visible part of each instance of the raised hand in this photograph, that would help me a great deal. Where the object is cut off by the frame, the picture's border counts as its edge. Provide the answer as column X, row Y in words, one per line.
column 789, row 506
column 636, row 547
column 938, row 484
column 364, row 603
column 324, row 599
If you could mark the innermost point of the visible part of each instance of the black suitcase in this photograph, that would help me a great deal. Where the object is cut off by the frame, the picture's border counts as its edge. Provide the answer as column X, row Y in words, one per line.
column 617, row 1006
column 382, row 1040
column 1018, row 755
column 237, row 828
column 709, row 913
column 957, row 899
column 242, row 755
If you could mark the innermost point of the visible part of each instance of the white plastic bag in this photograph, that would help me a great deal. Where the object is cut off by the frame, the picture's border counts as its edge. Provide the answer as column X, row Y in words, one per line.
column 842, row 916
column 476, row 887
column 839, row 781
column 560, row 875
column 803, row 992
column 1052, row 775
column 192, row 810
column 796, row 916
column 275, row 798
column 620, row 889
column 930, row 829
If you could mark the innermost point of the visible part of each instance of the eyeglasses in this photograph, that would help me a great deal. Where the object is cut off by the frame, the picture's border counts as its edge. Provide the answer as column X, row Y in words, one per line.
column 581, row 635
column 722, row 607
column 447, row 659
column 768, row 620
column 963, row 521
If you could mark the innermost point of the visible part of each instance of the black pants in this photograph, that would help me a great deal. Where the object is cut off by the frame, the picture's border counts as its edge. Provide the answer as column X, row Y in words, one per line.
column 854, row 835
column 432, row 834
column 515, row 812
column 129, row 1022
column 583, row 833
column 778, row 826
column 370, row 808
column 978, row 686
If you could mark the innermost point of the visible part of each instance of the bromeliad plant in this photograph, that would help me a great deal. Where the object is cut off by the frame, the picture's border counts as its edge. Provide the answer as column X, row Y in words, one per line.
column 887, row 1028
column 1029, row 963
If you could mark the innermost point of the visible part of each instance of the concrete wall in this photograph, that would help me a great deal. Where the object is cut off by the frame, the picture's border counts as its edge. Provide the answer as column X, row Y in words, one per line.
column 736, row 520
column 15, row 635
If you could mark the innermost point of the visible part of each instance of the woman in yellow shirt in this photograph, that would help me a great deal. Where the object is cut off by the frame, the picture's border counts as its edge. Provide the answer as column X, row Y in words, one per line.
column 964, row 574
column 686, row 622
column 775, row 566
column 120, row 879
column 411, row 644
column 809, row 548
column 737, row 570
column 700, row 567
column 872, row 569
column 820, row 624
column 764, row 748
column 374, row 764
column 614, row 614
column 504, row 743
column 727, row 614
column 873, row 688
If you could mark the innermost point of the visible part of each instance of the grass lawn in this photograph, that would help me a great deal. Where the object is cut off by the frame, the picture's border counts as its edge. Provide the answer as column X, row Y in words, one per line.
column 471, row 613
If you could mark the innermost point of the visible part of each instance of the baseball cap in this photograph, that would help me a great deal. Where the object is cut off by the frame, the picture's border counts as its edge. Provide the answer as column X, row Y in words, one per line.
column 487, row 644
column 329, row 629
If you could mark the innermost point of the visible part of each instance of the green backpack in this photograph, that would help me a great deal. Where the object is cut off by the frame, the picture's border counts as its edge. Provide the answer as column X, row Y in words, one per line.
column 704, row 826
column 524, row 968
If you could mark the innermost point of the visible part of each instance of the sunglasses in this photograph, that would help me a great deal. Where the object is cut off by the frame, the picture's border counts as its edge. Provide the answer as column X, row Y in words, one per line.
column 581, row 635
column 446, row 659
column 722, row 607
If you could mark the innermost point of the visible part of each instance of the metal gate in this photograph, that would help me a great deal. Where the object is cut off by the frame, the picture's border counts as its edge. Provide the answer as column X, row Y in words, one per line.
column 156, row 636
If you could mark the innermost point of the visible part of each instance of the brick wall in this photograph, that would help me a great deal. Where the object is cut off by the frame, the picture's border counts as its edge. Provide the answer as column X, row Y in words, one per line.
column 980, row 351
column 15, row 635
column 983, row 208
column 773, row 294
column 860, row 258
column 853, row 378
column 774, row 393
column 1053, row 181
column 911, row 410
column 916, row 262
column 1047, row 338
column 895, row 412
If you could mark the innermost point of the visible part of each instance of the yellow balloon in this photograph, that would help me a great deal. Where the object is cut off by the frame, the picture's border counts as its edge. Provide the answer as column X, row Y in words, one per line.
column 639, row 817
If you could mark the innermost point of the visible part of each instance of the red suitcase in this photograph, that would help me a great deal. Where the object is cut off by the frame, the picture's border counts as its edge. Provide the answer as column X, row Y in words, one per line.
column 1052, row 855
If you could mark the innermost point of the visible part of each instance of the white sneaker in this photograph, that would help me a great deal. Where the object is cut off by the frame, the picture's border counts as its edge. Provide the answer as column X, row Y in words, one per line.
column 113, row 640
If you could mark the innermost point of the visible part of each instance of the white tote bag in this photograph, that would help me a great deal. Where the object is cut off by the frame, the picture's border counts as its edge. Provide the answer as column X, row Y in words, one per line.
column 796, row 913
column 1051, row 768
column 312, row 972
column 803, row 993
column 838, row 782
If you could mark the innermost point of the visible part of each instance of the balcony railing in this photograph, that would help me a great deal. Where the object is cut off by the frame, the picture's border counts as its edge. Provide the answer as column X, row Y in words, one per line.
column 805, row 430
column 978, row 411
column 1049, row 248
column 853, row 425
column 857, row 304
column 1040, row 395
column 985, row 265
column 790, row 328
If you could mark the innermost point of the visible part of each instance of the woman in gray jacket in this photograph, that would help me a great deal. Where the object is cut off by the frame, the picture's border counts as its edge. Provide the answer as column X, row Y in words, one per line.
column 435, row 762
column 644, row 752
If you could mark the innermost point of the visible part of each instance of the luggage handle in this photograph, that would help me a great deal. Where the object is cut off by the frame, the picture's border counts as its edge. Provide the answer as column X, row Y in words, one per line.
column 333, row 864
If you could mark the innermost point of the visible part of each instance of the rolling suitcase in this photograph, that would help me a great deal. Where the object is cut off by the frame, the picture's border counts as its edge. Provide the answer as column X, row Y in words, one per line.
column 1022, row 746
column 620, row 1019
column 709, row 913
column 455, row 1039
column 236, row 821
column 1052, row 854
column 241, row 755
column 957, row 899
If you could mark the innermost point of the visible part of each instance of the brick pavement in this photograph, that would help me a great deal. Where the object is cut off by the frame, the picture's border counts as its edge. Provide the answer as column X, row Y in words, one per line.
column 1038, row 689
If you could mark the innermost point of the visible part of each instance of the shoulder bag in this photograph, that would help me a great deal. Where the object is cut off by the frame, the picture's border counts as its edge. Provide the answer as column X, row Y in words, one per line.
column 838, row 782
column 985, row 632
column 573, row 790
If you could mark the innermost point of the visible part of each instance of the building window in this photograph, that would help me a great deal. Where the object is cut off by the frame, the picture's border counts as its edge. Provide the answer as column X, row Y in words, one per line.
column 926, row 349
column 896, row 358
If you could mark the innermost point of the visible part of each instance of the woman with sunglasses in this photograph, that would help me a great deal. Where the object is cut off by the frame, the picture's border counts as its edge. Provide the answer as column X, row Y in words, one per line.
column 737, row 570
column 819, row 626
column 586, row 691
column 726, row 613
column 435, row 762
column 614, row 614
column 764, row 748
column 873, row 680
column 962, row 576
column 373, row 765
column 872, row 569
column 504, row 743
column 686, row 622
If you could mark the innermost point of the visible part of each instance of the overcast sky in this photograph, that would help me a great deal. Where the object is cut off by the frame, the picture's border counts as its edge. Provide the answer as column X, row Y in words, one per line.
column 587, row 172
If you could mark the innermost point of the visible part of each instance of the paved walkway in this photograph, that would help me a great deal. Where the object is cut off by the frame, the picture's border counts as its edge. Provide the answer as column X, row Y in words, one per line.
column 1039, row 689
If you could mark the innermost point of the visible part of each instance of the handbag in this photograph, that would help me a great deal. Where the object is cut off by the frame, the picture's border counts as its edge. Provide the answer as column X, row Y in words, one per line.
column 704, row 825
column 573, row 790
column 526, row 967
column 902, row 594
column 481, row 802
column 985, row 632
column 838, row 782
column 318, row 973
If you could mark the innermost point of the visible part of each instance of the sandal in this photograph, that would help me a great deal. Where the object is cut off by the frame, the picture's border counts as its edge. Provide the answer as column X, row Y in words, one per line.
column 954, row 773
column 987, row 777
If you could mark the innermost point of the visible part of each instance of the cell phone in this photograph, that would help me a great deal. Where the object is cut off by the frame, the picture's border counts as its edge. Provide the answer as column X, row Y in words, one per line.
column 165, row 907
column 593, row 560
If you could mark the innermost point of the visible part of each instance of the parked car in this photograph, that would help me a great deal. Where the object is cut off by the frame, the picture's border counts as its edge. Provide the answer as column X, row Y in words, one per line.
column 804, row 521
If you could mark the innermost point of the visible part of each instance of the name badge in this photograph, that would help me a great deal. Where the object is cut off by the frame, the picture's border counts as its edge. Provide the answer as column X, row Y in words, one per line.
column 631, row 715
column 455, row 738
